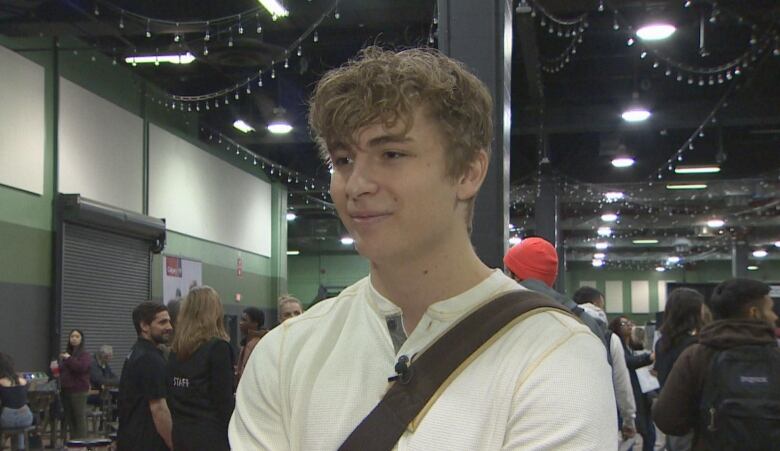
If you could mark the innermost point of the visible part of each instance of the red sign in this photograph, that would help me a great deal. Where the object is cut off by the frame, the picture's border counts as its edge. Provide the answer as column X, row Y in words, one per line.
column 173, row 266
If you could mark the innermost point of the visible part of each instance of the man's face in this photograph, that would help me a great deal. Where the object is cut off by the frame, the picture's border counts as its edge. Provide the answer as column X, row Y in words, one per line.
column 246, row 324
column 392, row 193
column 763, row 311
column 160, row 329
column 600, row 303
column 289, row 310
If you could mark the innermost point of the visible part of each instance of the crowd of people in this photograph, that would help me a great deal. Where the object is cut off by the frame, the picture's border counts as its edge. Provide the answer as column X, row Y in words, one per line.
column 409, row 132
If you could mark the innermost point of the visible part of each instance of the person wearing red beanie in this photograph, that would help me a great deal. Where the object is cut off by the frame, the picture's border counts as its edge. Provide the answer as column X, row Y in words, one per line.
column 533, row 258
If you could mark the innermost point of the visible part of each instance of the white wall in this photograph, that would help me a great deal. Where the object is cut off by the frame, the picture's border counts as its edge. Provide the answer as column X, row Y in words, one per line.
column 202, row 196
column 22, row 128
column 100, row 149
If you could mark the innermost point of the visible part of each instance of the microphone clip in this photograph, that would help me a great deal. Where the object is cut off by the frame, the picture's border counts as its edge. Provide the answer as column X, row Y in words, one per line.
column 403, row 371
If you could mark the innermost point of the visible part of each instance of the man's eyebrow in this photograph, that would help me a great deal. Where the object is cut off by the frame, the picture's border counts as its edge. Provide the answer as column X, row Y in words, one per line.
column 388, row 139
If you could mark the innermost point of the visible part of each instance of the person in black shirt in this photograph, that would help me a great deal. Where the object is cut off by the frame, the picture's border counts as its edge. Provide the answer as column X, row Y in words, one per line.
column 144, row 418
column 200, row 374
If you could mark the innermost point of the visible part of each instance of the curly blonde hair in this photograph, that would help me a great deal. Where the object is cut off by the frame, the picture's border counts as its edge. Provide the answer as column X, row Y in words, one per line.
column 382, row 86
column 199, row 320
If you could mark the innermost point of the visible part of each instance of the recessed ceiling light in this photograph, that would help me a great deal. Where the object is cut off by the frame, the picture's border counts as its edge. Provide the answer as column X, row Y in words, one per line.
column 647, row 241
column 604, row 231
column 686, row 186
column 279, row 124
column 613, row 196
column 291, row 216
column 760, row 253
column 601, row 245
column 710, row 169
column 240, row 125
column 655, row 31
column 777, row 243
column 622, row 162
column 635, row 115
column 511, row 226
column 752, row 268
column 347, row 240
column 673, row 260
column 515, row 240
column 597, row 263
column 293, row 252
column 599, row 255
column 609, row 217
column 660, row 268
column 715, row 223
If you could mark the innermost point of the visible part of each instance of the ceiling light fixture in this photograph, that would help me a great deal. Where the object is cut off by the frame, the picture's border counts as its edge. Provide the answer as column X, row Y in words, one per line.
column 291, row 216
column 613, row 196
column 623, row 162
column 609, row 217
column 673, row 260
column 645, row 241
column 752, row 268
column 777, row 243
column 660, row 268
column 635, row 115
column 686, row 186
column 602, row 245
column 347, row 240
column 760, row 253
column 599, row 256
column 293, row 252
column 186, row 58
column 239, row 124
column 597, row 263
column 655, row 31
column 279, row 125
column 604, row 231
column 274, row 8
column 715, row 223
column 709, row 169
column 515, row 240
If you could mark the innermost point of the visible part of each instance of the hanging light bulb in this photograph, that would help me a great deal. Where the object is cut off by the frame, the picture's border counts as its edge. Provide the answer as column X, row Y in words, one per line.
column 316, row 37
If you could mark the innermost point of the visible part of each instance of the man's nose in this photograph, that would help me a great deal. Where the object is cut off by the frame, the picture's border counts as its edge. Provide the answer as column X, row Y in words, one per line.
column 361, row 179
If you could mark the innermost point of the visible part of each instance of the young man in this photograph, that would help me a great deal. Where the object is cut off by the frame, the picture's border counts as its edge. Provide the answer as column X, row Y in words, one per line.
column 144, row 418
column 743, row 316
column 408, row 135
column 252, row 330
column 592, row 302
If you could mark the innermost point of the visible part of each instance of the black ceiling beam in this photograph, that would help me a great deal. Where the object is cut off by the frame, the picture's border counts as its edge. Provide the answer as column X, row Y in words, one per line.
column 529, row 50
column 606, row 118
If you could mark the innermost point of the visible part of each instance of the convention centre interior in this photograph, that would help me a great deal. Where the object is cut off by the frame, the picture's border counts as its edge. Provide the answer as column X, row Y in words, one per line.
column 148, row 147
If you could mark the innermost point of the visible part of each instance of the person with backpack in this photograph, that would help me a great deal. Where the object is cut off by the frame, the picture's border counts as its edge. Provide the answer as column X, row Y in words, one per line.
column 726, row 387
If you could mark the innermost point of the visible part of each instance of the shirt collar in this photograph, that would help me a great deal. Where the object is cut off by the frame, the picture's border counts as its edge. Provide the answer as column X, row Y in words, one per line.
column 454, row 306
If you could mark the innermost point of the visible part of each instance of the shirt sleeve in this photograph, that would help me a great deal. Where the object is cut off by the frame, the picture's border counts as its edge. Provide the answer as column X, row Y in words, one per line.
column 221, row 380
column 622, row 381
column 152, row 377
column 567, row 402
column 257, row 422
column 675, row 410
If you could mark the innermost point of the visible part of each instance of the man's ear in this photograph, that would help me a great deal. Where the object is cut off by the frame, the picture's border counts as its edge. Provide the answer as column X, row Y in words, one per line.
column 470, row 181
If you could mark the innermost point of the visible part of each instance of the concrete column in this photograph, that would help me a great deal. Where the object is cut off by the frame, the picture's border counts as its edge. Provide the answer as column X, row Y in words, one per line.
column 479, row 33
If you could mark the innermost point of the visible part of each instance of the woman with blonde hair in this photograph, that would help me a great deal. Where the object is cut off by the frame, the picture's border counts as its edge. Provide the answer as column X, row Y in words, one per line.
column 200, row 374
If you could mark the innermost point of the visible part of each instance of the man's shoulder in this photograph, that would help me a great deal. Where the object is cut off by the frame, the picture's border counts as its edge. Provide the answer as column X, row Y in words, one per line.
column 143, row 354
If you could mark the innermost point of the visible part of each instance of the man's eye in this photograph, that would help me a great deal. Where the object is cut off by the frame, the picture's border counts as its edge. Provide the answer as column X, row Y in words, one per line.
column 340, row 161
column 392, row 154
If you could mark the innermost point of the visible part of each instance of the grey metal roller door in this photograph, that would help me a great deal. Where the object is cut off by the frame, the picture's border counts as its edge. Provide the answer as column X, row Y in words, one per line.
column 104, row 276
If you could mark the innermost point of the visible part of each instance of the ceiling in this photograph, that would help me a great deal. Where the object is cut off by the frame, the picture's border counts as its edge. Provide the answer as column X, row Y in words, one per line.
column 573, row 73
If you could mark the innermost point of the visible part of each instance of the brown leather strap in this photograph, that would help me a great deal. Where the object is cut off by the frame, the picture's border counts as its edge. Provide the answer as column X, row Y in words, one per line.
column 405, row 399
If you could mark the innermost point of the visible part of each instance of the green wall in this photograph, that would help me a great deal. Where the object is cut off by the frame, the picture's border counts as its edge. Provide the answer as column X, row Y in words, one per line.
column 27, row 220
column 307, row 272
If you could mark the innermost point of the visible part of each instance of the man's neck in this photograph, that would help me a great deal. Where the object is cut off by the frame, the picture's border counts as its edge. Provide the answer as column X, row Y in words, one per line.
column 414, row 286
